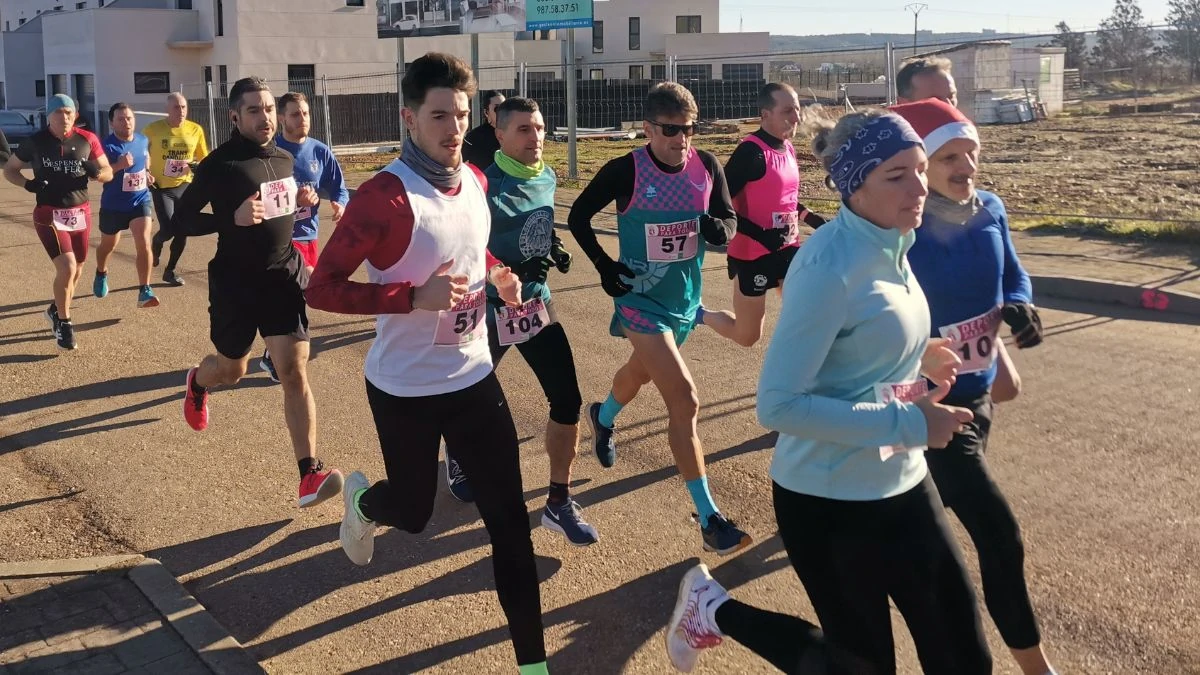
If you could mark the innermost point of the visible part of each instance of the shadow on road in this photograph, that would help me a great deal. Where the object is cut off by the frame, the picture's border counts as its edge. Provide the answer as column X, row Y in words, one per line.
column 40, row 500
column 1117, row 312
column 14, row 359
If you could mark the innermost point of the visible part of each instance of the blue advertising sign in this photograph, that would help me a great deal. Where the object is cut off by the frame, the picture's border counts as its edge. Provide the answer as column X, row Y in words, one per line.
column 552, row 14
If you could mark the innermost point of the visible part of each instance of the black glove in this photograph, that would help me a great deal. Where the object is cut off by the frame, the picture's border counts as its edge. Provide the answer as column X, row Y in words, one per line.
column 1025, row 322
column 713, row 230
column 35, row 185
column 771, row 239
column 533, row 269
column 92, row 169
column 811, row 219
column 611, row 272
column 560, row 256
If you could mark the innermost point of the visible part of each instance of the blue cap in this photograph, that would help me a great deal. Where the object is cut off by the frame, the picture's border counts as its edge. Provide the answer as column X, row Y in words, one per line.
column 59, row 101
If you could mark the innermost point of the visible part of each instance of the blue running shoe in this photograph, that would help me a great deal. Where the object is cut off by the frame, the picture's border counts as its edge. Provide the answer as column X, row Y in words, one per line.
column 602, row 438
column 146, row 298
column 266, row 365
column 722, row 536
column 456, row 480
column 566, row 518
column 100, row 285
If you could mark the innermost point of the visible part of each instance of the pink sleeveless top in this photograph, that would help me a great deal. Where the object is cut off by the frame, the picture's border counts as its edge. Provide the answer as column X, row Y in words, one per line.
column 771, row 201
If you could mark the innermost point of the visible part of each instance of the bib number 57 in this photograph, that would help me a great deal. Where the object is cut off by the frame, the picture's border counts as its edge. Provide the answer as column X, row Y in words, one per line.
column 673, row 244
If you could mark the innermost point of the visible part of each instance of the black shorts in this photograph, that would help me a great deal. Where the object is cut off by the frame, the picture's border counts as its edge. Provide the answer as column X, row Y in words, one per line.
column 239, row 308
column 756, row 277
column 114, row 222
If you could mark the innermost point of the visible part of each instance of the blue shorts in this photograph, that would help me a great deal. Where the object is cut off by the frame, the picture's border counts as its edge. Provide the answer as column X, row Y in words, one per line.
column 113, row 222
column 633, row 319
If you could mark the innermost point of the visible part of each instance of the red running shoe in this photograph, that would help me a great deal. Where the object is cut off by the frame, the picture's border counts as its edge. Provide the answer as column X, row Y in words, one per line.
column 195, row 406
column 318, row 485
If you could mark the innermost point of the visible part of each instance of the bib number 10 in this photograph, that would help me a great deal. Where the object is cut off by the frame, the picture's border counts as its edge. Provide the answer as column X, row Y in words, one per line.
column 982, row 348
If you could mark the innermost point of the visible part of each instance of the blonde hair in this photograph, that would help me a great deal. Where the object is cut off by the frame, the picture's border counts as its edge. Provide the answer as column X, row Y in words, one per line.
column 829, row 136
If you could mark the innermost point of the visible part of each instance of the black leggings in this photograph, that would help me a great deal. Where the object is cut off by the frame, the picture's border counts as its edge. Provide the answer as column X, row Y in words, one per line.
column 853, row 556
column 967, row 488
column 477, row 421
column 549, row 356
column 164, row 208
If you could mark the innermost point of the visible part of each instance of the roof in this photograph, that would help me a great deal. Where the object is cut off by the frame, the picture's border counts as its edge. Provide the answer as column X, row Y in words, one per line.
column 966, row 45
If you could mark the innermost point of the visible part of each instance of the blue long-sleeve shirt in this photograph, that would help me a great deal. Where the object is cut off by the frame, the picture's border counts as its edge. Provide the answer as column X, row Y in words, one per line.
column 316, row 167
column 853, row 318
column 969, row 271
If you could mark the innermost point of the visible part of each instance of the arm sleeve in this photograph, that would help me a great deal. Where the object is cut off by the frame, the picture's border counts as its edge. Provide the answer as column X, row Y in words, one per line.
column 333, row 182
column 813, row 314
column 188, row 217
column 24, row 151
column 720, row 205
column 613, row 180
column 365, row 227
column 746, row 164
column 1017, row 287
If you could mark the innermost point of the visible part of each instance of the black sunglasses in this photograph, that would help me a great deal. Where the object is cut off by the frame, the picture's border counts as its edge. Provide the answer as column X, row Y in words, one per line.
column 672, row 130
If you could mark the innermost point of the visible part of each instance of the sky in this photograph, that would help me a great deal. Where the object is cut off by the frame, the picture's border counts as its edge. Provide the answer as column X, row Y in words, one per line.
column 811, row 17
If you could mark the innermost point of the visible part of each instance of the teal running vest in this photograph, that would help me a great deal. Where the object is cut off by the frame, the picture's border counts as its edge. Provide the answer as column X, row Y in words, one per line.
column 522, row 223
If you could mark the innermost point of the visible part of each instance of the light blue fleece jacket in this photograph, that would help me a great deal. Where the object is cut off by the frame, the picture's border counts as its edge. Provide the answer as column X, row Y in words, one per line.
column 853, row 317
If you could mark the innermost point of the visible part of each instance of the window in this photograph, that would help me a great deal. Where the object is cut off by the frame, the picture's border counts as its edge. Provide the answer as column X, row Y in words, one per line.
column 6, row 26
column 80, row 5
column 207, row 74
column 635, row 33
column 302, row 78
column 658, row 72
column 687, row 24
column 598, row 37
column 101, row 3
column 20, row 22
column 183, row 4
column 151, row 83
column 693, row 71
column 58, row 8
column 1045, row 69
column 356, row 3
column 741, row 71
column 596, row 74
column 223, row 79
column 39, row 88
column 637, row 73
column 218, row 17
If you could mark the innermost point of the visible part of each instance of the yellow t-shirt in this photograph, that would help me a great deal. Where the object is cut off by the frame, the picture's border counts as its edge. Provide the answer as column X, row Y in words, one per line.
column 171, row 148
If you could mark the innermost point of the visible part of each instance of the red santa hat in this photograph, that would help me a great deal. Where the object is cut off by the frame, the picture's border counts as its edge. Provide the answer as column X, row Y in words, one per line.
column 937, row 122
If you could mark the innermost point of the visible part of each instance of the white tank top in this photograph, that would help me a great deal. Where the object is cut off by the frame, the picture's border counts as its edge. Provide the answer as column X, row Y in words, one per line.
column 425, row 353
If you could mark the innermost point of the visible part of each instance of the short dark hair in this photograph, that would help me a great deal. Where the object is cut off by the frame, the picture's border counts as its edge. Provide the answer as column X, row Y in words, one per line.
column 432, row 71
column 512, row 105
column 121, row 105
column 292, row 97
column 670, row 99
column 491, row 94
column 246, row 85
column 766, row 95
column 919, row 66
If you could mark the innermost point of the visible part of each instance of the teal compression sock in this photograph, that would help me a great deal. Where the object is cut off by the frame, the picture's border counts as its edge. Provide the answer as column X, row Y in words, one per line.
column 609, row 410
column 703, row 499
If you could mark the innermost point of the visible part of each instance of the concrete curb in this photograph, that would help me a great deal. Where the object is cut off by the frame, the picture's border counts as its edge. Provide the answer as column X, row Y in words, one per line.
column 68, row 567
column 1117, row 293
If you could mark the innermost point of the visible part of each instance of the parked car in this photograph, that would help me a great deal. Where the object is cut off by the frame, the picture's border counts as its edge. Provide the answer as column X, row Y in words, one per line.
column 17, row 127
column 407, row 24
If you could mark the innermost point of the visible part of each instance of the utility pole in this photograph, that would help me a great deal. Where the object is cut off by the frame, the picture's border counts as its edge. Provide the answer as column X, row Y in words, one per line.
column 916, row 8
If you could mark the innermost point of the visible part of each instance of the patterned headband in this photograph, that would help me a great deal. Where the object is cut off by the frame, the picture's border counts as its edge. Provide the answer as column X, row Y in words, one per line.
column 877, row 142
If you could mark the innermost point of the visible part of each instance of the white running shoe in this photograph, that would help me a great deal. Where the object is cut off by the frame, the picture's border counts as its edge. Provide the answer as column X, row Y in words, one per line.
column 691, row 629
column 357, row 535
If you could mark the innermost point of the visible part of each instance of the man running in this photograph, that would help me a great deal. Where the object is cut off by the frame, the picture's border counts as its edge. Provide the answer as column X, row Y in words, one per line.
column 421, row 227
column 764, row 180
column 256, row 279
column 480, row 145
column 316, row 167
column 669, row 196
column 125, row 203
column 62, row 158
column 176, row 144
column 964, row 260
column 521, row 195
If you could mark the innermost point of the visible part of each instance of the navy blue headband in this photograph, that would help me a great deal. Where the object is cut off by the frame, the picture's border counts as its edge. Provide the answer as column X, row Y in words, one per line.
column 875, row 143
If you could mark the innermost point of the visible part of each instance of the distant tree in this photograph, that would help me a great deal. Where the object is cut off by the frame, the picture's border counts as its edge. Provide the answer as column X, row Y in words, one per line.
column 1182, row 42
column 1074, row 43
column 1124, row 39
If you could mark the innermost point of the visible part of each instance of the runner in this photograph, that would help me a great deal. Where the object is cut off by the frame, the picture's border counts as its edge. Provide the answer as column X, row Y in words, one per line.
column 965, row 261
column 317, row 168
column 480, row 145
column 62, row 158
column 764, row 180
column 668, row 196
column 857, row 511
column 176, row 144
column 521, row 195
column 125, row 204
column 421, row 227
column 256, row 279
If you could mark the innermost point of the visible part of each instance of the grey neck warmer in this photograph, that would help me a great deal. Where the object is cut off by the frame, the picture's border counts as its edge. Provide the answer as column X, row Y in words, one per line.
column 950, row 211
column 426, row 167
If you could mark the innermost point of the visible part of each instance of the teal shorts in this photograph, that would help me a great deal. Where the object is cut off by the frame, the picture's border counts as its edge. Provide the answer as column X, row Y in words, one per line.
column 632, row 319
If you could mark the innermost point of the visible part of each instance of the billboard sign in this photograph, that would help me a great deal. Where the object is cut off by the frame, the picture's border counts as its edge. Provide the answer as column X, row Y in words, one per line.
column 423, row 18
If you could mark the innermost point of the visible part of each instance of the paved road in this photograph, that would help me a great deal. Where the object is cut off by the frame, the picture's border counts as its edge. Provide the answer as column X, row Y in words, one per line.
column 1098, row 458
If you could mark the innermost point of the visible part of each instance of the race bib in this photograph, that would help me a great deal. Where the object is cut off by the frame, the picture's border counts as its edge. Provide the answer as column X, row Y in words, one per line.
column 70, row 220
column 517, row 324
column 278, row 197
column 465, row 322
column 304, row 213
column 903, row 391
column 975, row 340
column 133, row 182
column 175, row 168
column 672, row 242
column 787, row 220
